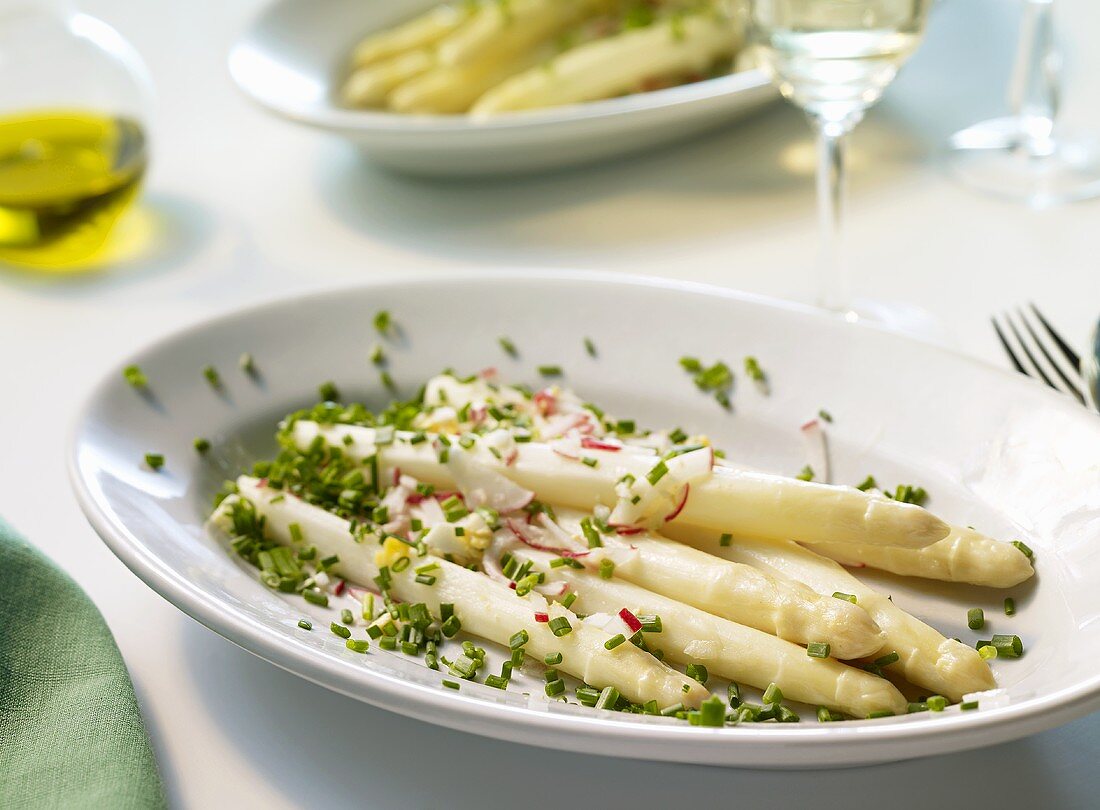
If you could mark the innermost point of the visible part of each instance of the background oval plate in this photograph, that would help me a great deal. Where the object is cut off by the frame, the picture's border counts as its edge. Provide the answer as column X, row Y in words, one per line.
column 995, row 451
column 294, row 55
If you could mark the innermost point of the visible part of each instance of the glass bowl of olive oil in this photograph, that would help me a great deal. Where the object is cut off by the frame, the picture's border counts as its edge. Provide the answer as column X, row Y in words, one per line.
column 73, row 143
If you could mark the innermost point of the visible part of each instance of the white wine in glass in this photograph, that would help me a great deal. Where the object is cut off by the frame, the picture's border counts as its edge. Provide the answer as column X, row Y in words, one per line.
column 834, row 59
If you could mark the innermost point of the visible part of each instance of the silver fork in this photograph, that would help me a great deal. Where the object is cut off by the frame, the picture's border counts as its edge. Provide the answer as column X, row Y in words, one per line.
column 1036, row 349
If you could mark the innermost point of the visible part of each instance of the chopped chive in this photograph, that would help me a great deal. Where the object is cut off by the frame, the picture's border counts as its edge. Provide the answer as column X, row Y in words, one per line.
column 919, row 706
column 868, row 483
column 614, row 641
column 212, row 376
column 975, row 618
column 608, row 698
column 359, row 645
column 377, row 354
column 295, row 532
column 651, row 623
column 560, row 626
column 328, row 392
column 569, row 599
column 305, row 624
column 660, row 469
column 201, row 445
column 968, row 705
column 818, row 649
column 388, row 643
column 846, row 596
column 590, row 347
column 807, row 474
column 725, row 540
column 690, row 364
column 508, row 346
column 135, row 376
column 497, row 682
column 383, row 321
column 607, row 568
column 346, row 616
column 555, row 688
column 246, row 363
column 880, row 713
column 1010, row 606
column 588, row 461
column 549, row 371
column 824, row 414
column 1023, row 549
column 712, row 712
column 624, row 426
column 936, row 703
column 886, row 660
column 824, row 715
column 1007, row 646
column 340, row 630
column 154, row 460
column 698, row 672
column 451, row 685
column 518, row 639
column 425, row 579
column 752, row 368
column 387, row 381
column 673, row 710
column 552, row 659
column 315, row 597
column 773, row 694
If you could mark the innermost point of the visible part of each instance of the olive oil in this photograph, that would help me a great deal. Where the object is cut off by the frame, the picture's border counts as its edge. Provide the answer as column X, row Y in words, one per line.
column 65, row 179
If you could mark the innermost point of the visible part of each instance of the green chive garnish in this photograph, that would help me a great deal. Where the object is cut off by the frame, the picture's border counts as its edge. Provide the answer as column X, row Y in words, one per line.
column 607, row 569
column 305, row 624
column 555, row 687
column 773, row 694
column 201, row 445
column 340, row 630
column 560, row 626
column 154, row 460
column 452, row 685
column 1008, row 646
column 518, row 639
column 752, row 368
column 552, row 659
column 1027, row 552
column 1010, row 606
column 868, row 483
column 383, row 321
column 936, row 703
column 824, row 414
column 725, row 540
column 698, row 672
column 818, row 649
column 608, row 698
column 508, row 346
column 550, row 371
column 968, row 705
column 247, row 364
column 807, row 474
column 359, row 645
column 659, row 470
column 614, row 641
column 212, row 376
column 846, row 596
column 377, row 354
column 135, row 376
column 975, row 618
column 590, row 347
column 346, row 616
column 328, row 392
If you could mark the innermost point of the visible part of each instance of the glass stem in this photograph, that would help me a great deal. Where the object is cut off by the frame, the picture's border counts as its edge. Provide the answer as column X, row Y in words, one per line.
column 834, row 290
column 1034, row 93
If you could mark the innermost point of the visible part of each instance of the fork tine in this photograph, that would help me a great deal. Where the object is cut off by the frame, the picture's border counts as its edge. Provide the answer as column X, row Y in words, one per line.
column 1070, row 355
column 1070, row 385
column 1027, row 353
column 1008, row 348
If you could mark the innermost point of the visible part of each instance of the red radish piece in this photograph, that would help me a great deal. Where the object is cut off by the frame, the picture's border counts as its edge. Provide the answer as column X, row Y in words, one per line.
column 484, row 486
column 817, row 450
column 545, row 402
column 631, row 620
column 524, row 535
column 680, row 506
column 542, row 618
column 628, row 530
column 600, row 444
column 339, row 589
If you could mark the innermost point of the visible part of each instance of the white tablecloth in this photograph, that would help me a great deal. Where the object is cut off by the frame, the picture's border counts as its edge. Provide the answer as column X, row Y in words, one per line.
column 250, row 207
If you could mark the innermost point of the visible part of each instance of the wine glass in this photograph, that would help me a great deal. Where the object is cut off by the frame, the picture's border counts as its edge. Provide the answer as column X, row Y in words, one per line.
column 834, row 59
column 1021, row 156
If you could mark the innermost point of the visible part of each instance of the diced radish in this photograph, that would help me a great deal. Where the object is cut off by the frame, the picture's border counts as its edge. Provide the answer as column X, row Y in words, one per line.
column 545, row 401
column 628, row 530
column 339, row 589
column 817, row 450
column 631, row 620
column 542, row 618
column 601, row 444
column 484, row 486
column 680, row 506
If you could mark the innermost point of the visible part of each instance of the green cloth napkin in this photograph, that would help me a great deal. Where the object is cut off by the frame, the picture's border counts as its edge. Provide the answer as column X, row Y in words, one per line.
column 71, row 734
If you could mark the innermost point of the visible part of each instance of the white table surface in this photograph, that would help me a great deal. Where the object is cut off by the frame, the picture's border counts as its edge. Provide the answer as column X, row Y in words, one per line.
column 249, row 207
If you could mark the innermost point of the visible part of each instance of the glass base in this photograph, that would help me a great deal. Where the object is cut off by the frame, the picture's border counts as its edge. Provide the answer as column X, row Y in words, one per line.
column 894, row 316
column 1000, row 157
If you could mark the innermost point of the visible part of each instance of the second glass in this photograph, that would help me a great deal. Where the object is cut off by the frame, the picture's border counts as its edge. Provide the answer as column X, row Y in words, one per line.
column 834, row 59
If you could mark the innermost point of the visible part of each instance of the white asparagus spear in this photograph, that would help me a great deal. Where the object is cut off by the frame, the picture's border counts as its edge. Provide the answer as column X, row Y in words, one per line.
column 749, row 503
column 486, row 608
column 617, row 65
column 419, row 32
column 369, row 86
column 497, row 31
column 740, row 593
column 927, row 658
column 728, row 649
column 963, row 556
column 447, row 89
